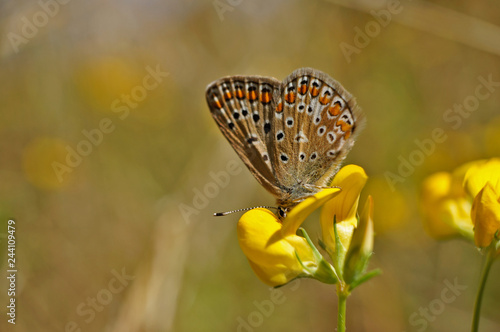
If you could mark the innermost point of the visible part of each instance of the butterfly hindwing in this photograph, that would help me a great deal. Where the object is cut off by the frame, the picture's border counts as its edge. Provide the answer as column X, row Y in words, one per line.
column 318, row 120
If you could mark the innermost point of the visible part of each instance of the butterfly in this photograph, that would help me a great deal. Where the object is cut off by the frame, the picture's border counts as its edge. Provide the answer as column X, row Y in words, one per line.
column 291, row 135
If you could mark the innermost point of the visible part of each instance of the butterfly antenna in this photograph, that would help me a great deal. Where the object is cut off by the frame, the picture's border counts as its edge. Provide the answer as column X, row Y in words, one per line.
column 220, row 214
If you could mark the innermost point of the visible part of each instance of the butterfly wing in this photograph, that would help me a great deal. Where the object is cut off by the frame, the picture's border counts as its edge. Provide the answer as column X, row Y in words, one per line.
column 243, row 107
column 316, row 122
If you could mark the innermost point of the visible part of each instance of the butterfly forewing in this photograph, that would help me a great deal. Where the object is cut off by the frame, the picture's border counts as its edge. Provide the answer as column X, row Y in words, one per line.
column 243, row 108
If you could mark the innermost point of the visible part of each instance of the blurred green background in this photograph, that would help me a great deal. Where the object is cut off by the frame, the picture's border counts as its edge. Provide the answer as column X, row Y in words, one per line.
column 67, row 71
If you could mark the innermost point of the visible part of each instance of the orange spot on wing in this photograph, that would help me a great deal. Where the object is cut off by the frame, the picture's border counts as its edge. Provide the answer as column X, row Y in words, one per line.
column 324, row 100
column 251, row 95
column 217, row 102
column 343, row 125
column 334, row 110
column 265, row 97
column 290, row 97
column 314, row 91
column 303, row 89
column 279, row 109
column 228, row 95
column 239, row 94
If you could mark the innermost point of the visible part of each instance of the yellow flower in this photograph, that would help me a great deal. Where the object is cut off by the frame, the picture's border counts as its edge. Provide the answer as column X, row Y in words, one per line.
column 482, row 182
column 445, row 205
column 276, row 253
column 351, row 179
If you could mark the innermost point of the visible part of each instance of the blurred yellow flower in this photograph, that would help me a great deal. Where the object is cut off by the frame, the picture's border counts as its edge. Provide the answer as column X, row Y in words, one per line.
column 351, row 179
column 482, row 182
column 102, row 80
column 388, row 200
column 39, row 157
column 445, row 205
column 276, row 253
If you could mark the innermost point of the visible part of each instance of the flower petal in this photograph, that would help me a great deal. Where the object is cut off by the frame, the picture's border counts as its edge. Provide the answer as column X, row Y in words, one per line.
column 445, row 207
column 486, row 215
column 351, row 179
column 435, row 190
column 298, row 214
column 272, row 275
column 480, row 173
column 260, row 238
column 272, row 255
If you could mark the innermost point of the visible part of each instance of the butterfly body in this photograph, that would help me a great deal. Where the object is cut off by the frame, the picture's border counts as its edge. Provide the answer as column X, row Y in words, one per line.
column 292, row 135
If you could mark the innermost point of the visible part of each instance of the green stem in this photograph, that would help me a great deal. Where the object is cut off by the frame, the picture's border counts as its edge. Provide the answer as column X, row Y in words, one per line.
column 342, row 295
column 477, row 306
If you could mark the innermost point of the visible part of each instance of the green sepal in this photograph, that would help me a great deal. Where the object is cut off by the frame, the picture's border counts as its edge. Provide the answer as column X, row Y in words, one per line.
column 324, row 272
column 364, row 278
column 322, row 245
column 354, row 266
